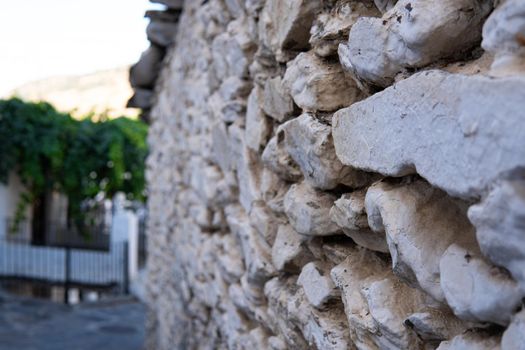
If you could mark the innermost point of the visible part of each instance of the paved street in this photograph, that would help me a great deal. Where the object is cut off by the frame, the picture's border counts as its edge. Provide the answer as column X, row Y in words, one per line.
column 28, row 324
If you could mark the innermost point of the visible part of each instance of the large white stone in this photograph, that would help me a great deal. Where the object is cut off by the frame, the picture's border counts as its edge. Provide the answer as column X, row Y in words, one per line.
column 209, row 183
column 230, row 260
column 264, row 66
column 249, row 169
column 390, row 301
column 221, row 150
column 277, row 101
column 256, row 252
column 276, row 158
column 290, row 251
column 317, row 285
column 436, row 324
column 234, row 88
column 349, row 214
column 331, row 27
column 500, row 222
column 273, row 190
column 376, row 303
column 265, row 221
column 322, row 329
column 317, row 84
column 464, row 117
column 504, row 36
column 514, row 336
column 471, row 340
column 258, row 126
column 308, row 210
column 232, row 51
column 309, row 142
column 475, row 290
column 420, row 223
column 412, row 34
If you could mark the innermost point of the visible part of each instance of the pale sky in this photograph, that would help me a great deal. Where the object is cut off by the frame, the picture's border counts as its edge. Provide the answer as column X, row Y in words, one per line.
column 45, row 38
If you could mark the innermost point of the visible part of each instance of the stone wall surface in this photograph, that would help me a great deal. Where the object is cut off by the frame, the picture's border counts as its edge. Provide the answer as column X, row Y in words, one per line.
column 336, row 174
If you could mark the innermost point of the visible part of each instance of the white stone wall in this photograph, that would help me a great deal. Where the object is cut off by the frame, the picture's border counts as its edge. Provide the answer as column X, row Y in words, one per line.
column 339, row 174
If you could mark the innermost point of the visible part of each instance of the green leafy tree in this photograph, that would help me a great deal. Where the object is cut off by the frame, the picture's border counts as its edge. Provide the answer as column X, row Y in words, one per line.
column 52, row 151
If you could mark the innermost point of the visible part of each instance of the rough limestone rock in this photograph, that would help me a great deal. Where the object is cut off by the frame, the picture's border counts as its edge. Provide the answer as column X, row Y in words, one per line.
column 322, row 329
column 222, row 153
column 331, row 27
column 504, row 36
column 256, row 252
column 309, row 142
column 308, row 210
column 232, row 52
column 317, row 285
column 162, row 28
column 144, row 73
column 436, row 324
column 277, row 101
column 249, row 169
column 514, row 336
column 290, row 252
column 265, row 66
column 412, row 34
column 376, row 304
column 142, row 98
column 420, row 223
column 384, row 5
column 276, row 158
column 273, row 191
column 499, row 221
column 230, row 260
column 475, row 290
column 258, row 126
column 317, row 84
column 349, row 214
column 284, row 26
column 296, row 201
column 264, row 221
column 472, row 340
column 393, row 131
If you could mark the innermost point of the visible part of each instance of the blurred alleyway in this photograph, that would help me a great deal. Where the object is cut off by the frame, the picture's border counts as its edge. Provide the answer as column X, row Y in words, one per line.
column 29, row 324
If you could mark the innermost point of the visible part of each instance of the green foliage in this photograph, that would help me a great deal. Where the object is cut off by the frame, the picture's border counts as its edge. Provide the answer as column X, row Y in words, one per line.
column 52, row 151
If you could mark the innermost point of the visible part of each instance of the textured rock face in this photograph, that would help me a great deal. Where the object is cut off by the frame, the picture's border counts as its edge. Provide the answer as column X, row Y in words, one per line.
column 331, row 27
column 293, row 205
column 504, row 36
column 412, row 34
column 349, row 213
column 309, row 143
column 420, row 222
column 393, row 131
column 475, row 290
column 307, row 210
column 284, row 26
column 319, row 85
column 499, row 220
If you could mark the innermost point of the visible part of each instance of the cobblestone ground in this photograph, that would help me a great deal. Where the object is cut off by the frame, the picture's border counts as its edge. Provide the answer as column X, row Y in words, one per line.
column 29, row 324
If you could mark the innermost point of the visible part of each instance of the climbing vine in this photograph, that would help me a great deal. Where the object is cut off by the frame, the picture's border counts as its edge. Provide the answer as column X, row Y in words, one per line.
column 50, row 150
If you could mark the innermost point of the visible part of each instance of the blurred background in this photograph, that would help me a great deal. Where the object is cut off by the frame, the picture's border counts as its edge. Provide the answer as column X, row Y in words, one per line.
column 72, row 189
column 74, row 54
